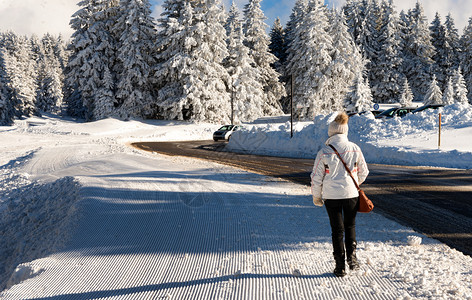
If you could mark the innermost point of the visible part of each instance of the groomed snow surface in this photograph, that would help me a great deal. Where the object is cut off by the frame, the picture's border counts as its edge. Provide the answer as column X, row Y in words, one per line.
column 85, row 216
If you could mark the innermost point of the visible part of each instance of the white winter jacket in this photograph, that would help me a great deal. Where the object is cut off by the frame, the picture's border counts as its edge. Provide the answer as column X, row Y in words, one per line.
column 329, row 179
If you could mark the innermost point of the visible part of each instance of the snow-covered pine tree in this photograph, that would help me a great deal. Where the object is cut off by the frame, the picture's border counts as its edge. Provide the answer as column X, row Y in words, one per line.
column 297, row 15
column 21, row 72
column 460, row 88
column 445, row 41
column 453, row 40
column 135, row 58
column 438, row 39
column 434, row 94
column 92, row 52
column 258, row 42
column 418, row 52
column 448, row 95
column 364, row 19
column 194, row 82
column 346, row 64
column 50, row 95
column 298, row 12
column 78, row 69
column 359, row 98
column 173, row 58
column 309, row 57
column 6, row 108
column 247, row 94
column 466, row 57
column 386, row 73
column 406, row 96
column 354, row 12
column 104, row 107
column 277, row 45
column 60, row 51
column 50, row 76
column 233, row 19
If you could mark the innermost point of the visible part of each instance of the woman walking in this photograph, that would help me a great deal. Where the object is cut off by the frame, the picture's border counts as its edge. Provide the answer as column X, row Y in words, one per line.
column 332, row 185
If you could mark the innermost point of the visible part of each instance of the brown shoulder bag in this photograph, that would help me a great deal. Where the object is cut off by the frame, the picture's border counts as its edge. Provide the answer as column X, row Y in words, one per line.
column 365, row 205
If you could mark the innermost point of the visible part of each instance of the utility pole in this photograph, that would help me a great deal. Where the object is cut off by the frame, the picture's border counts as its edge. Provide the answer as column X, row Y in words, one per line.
column 439, row 139
column 291, row 105
column 232, row 105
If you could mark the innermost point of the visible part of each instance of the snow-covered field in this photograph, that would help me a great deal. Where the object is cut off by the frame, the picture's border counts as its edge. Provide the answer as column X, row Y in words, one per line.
column 85, row 216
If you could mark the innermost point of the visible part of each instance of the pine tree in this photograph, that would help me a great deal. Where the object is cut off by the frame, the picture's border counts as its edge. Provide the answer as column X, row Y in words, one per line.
column 359, row 99
column 418, row 53
column 92, row 52
column 135, row 58
column 406, row 96
column 466, row 57
column 460, row 88
column 6, row 108
column 297, row 15
column 345, row 66
column 104, row 107
column 453, row 40
column 445, row 40
column 277, row 45
column 433, row 95
column 192, row 48
column 233, row 20
column 438, row 40
column 448, row 95
column 386, row 71
column 247, row 93
column 309, row 57
column 21, row 72
column 50, row 76
column 258, row 42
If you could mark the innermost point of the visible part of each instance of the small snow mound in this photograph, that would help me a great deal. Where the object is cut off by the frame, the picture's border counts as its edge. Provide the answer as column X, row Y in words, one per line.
column 414, row 240
column 237, row 273
column 22, row 273
column 296, row 273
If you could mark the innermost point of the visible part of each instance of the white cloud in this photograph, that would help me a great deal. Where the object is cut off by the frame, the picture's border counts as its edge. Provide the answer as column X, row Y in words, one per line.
column 37, row 16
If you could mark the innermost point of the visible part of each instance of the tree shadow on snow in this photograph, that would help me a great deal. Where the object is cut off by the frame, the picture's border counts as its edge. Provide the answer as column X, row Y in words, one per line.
column 174, row 285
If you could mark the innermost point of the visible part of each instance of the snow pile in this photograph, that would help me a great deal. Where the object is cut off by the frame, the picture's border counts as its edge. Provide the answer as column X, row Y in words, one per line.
column 411, row 140
column 35, row 218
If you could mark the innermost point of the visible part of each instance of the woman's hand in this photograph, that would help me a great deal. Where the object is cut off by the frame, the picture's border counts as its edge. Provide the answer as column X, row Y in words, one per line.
column 318, row 201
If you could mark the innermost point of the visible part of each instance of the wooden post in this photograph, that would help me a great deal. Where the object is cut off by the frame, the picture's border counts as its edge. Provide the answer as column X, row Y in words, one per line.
column 439, row 139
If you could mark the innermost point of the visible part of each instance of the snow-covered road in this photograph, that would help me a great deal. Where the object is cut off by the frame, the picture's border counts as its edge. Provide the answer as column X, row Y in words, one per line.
column 157, row 227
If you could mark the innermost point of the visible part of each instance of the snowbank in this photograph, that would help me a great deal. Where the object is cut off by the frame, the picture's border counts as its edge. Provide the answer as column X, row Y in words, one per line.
column 412, row 140
column 35, row 218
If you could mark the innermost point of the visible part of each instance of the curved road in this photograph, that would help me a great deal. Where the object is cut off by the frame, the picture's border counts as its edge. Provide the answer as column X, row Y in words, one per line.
column 433, row 201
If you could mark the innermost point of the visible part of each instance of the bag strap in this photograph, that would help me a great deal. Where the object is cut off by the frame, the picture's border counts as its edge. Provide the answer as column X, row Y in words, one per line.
column 345, row 166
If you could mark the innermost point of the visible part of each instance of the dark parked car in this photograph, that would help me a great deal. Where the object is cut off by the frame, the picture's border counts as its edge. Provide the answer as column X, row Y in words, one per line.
column 428, row 106
column 224, row 133
column 395, row 112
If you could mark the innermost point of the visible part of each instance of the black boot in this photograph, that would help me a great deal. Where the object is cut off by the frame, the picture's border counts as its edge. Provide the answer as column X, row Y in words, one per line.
column 351, row 256
column 340, row 270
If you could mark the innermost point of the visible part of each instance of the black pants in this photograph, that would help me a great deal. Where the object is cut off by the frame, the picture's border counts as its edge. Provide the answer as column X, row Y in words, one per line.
column 342, row 217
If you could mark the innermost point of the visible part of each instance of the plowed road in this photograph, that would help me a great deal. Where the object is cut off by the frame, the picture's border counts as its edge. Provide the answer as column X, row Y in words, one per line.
column 433, row 201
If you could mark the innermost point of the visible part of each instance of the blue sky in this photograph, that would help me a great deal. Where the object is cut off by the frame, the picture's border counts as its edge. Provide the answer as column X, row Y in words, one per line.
column 53, row 16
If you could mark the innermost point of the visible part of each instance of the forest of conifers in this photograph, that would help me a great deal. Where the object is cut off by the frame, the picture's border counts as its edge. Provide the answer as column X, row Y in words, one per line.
column 201, row 62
